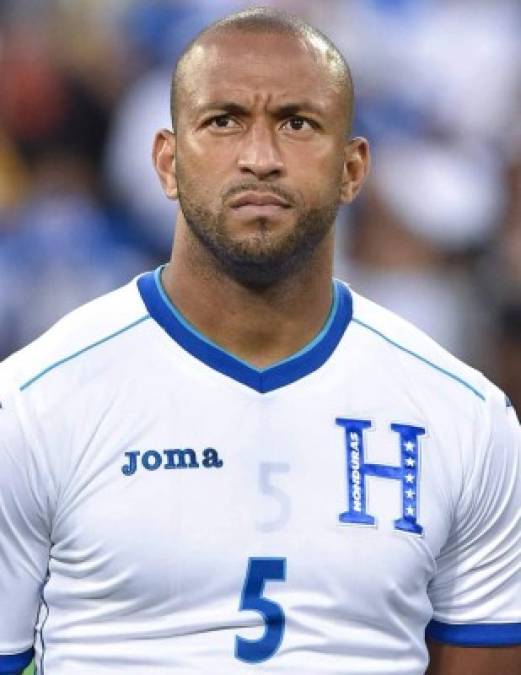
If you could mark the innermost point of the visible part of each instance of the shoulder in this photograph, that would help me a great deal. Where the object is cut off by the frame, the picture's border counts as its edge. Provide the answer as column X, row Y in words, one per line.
column 398, row 340
column 471, row 418
column 85, row 329
column 441, row 388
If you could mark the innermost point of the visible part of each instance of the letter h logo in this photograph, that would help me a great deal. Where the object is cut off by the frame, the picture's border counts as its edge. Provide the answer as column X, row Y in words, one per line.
column 358, row 470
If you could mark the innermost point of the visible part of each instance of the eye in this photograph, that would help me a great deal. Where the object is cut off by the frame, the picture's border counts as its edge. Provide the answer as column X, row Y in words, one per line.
column 222, row 122
column 297, row 123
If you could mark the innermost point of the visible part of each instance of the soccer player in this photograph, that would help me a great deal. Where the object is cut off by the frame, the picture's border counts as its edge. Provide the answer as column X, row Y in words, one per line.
column 236, row 464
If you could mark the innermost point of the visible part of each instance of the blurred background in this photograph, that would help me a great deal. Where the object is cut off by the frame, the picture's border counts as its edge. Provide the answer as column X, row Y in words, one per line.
column 436, row 235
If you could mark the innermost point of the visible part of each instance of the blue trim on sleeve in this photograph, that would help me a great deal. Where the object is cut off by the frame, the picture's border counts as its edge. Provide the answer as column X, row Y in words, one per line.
column 82, row 351
column 475, row 635
column 16, row 662
column 263, row 380
column 421, row 358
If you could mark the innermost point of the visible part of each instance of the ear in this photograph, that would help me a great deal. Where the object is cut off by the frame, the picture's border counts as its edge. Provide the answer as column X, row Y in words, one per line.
column 163, row 156
column 357, row 161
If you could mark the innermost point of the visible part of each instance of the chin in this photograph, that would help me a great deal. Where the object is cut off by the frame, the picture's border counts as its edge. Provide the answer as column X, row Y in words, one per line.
column 261, row 261
column 261, row 231
column 261, row 246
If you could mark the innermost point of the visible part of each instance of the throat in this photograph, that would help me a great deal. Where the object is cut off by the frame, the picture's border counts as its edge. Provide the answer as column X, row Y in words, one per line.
column 261, row 329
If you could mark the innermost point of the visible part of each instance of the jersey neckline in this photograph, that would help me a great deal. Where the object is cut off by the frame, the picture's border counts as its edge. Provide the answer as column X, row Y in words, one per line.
column 263, row 380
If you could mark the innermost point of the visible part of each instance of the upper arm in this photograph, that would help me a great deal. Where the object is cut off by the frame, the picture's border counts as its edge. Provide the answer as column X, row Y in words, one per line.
column 476, row 591
column 447, row 659
column 24, row 540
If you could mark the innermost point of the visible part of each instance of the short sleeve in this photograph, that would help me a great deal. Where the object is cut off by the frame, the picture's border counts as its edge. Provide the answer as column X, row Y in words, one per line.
column 24, row 540
column 476, row 591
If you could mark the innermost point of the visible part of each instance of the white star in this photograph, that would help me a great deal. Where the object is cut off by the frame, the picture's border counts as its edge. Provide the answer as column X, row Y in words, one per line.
column 409, row 511
column 409, row 446
column 409, row 477
column 410, row 461
column 409, row 493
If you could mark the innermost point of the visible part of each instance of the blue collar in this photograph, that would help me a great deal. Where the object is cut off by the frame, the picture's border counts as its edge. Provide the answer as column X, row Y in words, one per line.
column 263, row 380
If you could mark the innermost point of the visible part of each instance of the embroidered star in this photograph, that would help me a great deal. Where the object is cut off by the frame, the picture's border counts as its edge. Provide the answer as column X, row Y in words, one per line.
column 409, row 477
column 410, row 461
column 409, row 511
column 409, row 446
column 410, row 493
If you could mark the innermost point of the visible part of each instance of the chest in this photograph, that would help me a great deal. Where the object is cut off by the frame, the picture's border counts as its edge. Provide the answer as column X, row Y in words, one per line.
column 182, row 493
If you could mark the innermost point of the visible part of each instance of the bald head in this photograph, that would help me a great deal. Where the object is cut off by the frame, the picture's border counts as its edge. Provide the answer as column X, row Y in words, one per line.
column 271, row 22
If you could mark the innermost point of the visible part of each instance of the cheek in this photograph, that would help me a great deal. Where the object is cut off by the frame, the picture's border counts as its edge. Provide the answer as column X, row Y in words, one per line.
column 320, row 184
column 202, row 170
column 317, row 173
column 203, row 156
column 194, row 179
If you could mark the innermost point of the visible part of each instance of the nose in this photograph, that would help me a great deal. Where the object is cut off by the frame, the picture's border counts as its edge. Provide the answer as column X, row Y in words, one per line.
column 259, row 153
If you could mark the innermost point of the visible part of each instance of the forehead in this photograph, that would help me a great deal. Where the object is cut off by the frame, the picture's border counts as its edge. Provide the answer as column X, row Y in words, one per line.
column 237, row 64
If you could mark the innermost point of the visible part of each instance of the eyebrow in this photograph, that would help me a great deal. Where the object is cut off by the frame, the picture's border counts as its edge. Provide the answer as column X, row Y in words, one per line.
column 295, row 108
column 285, row 110
column 227, row 106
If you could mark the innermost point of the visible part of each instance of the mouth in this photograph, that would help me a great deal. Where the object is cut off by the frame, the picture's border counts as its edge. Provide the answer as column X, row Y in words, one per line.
column 261, row 200
column 253, row 205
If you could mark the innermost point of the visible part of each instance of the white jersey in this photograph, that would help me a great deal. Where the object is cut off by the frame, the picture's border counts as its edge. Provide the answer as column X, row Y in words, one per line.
column 167, row 508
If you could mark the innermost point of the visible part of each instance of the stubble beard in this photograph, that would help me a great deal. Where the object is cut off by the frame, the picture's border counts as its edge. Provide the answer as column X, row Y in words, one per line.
column 262, row 259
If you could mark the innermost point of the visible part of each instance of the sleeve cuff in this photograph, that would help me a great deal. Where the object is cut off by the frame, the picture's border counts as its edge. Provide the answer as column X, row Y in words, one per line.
column 475, row 635
column 15, row 662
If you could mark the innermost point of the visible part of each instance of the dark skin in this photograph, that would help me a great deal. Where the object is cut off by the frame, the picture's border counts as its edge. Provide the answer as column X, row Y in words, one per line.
column 448, row 660
column 267, row 110
column 264, row 145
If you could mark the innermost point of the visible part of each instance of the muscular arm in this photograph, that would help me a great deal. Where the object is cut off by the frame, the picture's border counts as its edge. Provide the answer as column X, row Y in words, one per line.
column 476, row 627
column 449, row 660
column 24, row 536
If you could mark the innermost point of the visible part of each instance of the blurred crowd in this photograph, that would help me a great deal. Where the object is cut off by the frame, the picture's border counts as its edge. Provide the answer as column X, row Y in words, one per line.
column 436, row 235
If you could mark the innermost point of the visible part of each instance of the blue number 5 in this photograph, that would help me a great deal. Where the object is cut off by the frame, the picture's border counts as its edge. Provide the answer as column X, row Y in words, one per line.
column 259, row 571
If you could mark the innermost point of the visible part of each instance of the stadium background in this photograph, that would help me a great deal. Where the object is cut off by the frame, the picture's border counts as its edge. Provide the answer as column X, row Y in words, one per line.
column 436, row 235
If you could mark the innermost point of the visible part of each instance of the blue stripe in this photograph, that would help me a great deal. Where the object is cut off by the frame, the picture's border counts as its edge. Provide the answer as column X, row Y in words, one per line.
column 82, row 351
column 304, row 362
column 421, row 358
column 476, row 635
column 16, row 662
column 197, row 334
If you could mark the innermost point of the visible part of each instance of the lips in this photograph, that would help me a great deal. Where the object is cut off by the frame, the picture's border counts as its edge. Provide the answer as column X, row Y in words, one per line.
column 259, row 199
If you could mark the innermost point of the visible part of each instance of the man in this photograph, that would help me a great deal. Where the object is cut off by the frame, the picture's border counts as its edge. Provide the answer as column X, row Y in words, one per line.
column 235, row 464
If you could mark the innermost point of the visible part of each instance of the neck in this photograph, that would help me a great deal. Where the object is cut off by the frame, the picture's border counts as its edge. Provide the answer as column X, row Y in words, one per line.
column 260, row 326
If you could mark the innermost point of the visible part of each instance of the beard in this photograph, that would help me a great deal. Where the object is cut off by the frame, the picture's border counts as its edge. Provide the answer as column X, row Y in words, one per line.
column 262, row 259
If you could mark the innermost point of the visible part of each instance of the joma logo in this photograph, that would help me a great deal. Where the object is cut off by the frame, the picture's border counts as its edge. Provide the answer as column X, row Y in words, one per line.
column 177, row 458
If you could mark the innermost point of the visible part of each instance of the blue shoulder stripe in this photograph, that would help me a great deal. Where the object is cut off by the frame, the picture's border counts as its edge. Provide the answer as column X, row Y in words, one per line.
column 421, row 358
column 475, row 635
column 82, row 351
column 16, row 662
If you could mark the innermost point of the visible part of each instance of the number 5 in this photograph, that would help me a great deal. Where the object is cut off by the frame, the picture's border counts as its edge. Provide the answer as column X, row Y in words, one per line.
column 259, row 571
column 266, row 472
